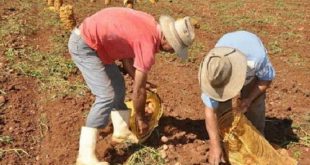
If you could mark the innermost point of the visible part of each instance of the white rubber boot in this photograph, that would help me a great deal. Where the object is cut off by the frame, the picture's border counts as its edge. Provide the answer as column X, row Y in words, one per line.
column 121, row 132
column 87, row 148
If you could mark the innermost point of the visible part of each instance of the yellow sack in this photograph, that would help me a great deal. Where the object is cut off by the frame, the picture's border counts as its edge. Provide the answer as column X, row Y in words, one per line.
column 58, row 4
column 67, row 18
column 244, row 144
column 154, row 103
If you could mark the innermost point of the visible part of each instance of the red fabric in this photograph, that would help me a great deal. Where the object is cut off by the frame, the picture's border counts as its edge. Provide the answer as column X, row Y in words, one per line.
column 120, row 33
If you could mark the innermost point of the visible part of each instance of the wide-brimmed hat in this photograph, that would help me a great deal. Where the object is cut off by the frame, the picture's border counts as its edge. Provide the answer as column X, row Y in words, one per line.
column 222, row 73
column 179, row 33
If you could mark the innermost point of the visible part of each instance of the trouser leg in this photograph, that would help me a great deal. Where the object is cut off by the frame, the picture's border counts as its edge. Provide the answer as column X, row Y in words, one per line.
column 105, row 82
column 256, row 111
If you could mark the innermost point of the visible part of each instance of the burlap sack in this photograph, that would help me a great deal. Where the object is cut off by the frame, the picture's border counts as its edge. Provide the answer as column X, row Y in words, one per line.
column 244, row 144
column 67, row 17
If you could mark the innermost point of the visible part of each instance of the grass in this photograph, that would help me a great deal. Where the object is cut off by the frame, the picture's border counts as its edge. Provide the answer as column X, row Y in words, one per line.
column 296, row 154
column 195, row 49
column 296, row 59
column 145, row 156
column 9, row 140
column 51, row 68
column 18, row 151
column 16, row 23
column 302, row 130
column 43, row 125
column 274, row 48
column 6, row 139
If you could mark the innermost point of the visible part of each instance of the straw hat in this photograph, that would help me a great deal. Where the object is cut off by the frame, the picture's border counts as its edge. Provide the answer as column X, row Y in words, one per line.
column 222, row 73
column 179, row 33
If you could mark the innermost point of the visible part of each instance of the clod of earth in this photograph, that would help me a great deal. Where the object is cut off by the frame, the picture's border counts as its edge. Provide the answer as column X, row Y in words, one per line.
column 2, row 100
column 165, row 147
column 164, row 139
column 163, row 154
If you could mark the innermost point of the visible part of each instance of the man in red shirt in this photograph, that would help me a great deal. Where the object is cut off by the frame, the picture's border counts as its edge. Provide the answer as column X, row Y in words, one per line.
column 133, row 37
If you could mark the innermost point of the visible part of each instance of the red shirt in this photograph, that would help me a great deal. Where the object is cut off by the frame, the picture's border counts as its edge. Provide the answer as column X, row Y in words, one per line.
column 120, row 33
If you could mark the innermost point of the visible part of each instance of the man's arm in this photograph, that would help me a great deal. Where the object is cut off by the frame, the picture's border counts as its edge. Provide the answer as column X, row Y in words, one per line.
column 211, row 121
column 139, row 99
column 259, row 88
column 128, row 66
column 130, row 69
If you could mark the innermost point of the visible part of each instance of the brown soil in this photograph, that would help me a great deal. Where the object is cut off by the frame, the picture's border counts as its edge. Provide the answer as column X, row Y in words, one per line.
column 48, row 130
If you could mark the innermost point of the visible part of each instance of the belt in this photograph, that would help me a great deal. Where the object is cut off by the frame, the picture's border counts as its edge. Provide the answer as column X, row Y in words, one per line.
column 77, row 31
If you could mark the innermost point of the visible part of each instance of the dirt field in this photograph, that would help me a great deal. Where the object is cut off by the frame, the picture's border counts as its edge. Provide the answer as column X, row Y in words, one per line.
column 44, row 102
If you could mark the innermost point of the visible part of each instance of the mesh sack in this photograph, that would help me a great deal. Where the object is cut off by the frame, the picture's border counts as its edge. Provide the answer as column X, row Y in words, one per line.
column 153, row 1
column 244, row 144
column 50, row 2
column 106, row 2
column 154, row 103
column 58, row 4
column 67, row 17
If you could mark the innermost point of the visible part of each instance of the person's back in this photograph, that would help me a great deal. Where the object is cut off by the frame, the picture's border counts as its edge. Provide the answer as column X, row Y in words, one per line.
column 256, row 54
column 115, row 33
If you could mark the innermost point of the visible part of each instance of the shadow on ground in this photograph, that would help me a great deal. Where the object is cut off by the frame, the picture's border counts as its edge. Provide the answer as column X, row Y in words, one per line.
column 280, row 132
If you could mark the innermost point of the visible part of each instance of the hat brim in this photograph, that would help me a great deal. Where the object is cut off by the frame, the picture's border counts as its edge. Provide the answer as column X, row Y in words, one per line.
column 170, row 33
column 235, row 83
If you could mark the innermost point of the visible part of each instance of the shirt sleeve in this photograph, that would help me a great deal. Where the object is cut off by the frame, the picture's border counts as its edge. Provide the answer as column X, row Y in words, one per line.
column 208, row 102
column 144, row 55
column 265, row 70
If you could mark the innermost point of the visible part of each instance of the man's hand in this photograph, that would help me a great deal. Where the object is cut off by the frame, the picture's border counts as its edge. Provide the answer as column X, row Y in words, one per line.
column 216, row 155
column 258, row 89
column 128, row 67
column 142, row 124
column 139, row 100
column 244, row 105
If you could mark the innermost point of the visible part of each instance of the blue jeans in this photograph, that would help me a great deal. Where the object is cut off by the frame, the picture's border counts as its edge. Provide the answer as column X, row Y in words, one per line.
column 105, row 81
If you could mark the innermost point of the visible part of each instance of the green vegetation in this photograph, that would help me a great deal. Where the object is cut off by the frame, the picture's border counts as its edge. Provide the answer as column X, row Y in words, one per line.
column 6, row 139
column 50, row 67
column 43, row 125
column 274, row 48
column 9, row 140
column 145, row 156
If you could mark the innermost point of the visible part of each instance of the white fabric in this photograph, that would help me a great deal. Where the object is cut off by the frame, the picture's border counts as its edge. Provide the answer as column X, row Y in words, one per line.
column 121, row 132
column 87, row 148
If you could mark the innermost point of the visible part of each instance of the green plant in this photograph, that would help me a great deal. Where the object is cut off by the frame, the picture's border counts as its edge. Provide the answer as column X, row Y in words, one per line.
column 9, row 140
column 274, row 47
column 145, row 156
column 17, row 151
column 10, row 53
column 43, row 125
column 296, row 154
column 6, row 139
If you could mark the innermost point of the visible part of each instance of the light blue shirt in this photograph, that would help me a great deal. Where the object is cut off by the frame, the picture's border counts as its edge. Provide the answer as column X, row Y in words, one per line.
column 258, row 64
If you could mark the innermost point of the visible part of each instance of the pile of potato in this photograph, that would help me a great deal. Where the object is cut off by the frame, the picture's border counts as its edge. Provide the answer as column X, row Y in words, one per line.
column 67, row 17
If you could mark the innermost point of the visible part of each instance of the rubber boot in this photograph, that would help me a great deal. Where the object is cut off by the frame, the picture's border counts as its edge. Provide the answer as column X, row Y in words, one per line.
column 121, row 132
column 87, row 148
